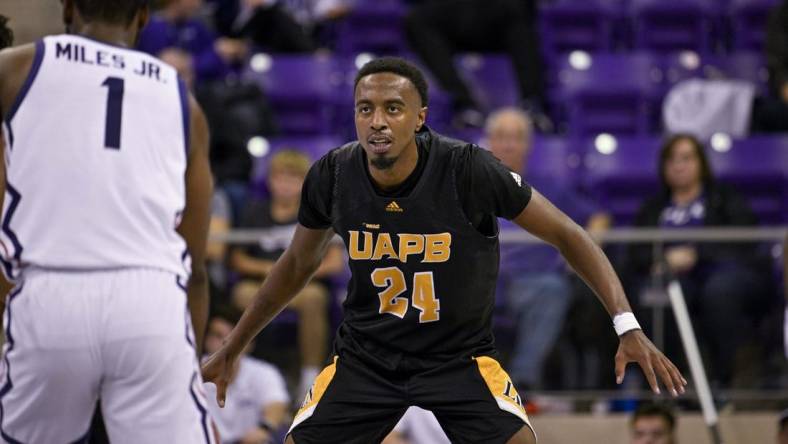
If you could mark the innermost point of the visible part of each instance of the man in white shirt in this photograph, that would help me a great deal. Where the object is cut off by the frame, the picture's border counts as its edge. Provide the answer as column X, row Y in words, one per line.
column 258, row 410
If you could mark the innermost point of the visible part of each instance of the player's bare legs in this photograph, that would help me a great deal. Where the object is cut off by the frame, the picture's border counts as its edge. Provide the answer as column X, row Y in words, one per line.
column 311, row 304
column 524, row 436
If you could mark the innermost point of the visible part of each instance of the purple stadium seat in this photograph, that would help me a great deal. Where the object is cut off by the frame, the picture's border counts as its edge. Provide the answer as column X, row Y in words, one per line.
column 758, row 168
column 491, row 78
column 374, row 27
column 567, row 25
column 748, row 21
column 743, row 65
column 672, row 25
column 557, row 158
column 303, row 90
column 622, row 180
column 615, row 93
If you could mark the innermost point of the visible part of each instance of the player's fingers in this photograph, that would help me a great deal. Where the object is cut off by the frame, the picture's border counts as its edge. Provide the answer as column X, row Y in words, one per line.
column 221, row 391
column 621, row 366
column 665, row 376
column 651, row 377
column 678, row 380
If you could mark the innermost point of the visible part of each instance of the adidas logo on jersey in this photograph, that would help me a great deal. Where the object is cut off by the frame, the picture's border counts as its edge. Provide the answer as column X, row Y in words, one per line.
column 394, row 207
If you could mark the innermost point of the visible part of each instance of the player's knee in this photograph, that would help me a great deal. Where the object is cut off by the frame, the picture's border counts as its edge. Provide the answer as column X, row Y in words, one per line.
column 244, row 293
column 524, row 436
column 313, row 298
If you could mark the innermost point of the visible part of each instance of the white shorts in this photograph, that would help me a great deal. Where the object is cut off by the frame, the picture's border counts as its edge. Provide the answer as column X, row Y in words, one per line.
column 123, row 337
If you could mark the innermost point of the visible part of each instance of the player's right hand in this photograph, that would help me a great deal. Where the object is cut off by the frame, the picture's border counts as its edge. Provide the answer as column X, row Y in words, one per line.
column 218, row 369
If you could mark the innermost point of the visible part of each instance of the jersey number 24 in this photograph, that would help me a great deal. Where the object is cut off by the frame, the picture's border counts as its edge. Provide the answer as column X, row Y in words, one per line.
column 392, row 280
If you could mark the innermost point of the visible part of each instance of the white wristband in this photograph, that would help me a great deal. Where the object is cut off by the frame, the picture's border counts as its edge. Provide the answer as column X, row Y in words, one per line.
column 624, row 322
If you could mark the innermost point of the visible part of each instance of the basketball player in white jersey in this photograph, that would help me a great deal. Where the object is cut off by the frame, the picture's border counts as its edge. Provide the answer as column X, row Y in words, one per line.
column 106, row 205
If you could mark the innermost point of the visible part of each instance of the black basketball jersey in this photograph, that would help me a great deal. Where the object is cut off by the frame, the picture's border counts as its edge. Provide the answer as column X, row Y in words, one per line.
column 423, row 277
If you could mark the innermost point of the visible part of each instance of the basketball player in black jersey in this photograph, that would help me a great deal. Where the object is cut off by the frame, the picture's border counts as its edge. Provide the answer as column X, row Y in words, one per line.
column 417, row 212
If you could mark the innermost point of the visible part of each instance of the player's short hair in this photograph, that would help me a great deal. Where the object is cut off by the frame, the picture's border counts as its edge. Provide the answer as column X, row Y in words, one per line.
column 290, row 161
column 116, row 12
column 706, row 176
column 398, row 66
column 6, row 35
column 650, row 409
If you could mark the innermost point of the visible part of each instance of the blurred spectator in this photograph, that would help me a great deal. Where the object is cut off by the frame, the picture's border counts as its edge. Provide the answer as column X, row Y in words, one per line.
column 439, row 29
column 176, row 35
column 536, row 281
column 238, row 113
column 215, row 250
column 267, row 23
column 770, row 112
column 724, row 288
column 256, row 409
column 417, row 426
column 653, row 424
column 782, row 428
column 278, row 215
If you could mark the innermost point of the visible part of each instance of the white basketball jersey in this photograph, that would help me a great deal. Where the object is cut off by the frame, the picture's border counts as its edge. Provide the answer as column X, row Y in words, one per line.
column 96, row 151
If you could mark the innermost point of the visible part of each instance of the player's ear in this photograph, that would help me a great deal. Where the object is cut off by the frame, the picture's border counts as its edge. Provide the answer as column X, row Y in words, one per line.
column 422, row 117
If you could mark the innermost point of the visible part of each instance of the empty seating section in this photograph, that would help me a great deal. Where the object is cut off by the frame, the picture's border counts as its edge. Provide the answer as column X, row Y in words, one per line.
column 609, row 65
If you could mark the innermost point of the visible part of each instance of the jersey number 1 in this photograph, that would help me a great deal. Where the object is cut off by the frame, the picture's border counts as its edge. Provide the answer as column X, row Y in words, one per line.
column 392, row 280
column 114, row 112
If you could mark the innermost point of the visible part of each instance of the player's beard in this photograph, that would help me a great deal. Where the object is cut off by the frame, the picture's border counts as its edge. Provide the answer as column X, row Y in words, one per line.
column 383, row 162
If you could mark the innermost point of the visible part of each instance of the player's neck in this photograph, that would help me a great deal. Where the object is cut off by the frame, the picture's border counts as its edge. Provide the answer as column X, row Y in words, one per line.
column 112, row 34
column 392, row 177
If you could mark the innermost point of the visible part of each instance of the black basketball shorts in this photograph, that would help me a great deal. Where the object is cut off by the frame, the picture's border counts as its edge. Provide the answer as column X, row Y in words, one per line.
column 352, row 403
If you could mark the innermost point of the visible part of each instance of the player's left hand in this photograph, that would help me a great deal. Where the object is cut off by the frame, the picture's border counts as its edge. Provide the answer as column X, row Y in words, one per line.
column 218, row 369
column 634, row 346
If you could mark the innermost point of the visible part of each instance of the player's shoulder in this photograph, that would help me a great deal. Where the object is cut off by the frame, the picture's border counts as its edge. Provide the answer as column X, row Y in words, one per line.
column 16, row 58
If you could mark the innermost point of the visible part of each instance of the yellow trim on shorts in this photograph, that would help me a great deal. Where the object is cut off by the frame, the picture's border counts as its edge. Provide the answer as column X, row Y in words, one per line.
column 501, row 388
column 314, row 394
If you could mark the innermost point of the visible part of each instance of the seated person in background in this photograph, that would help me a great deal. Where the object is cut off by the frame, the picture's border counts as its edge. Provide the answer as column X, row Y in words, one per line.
column 417, row 426
column 258, row 410
column 278, row 215
column 725, row 291
column 437, row 30
column 769, row 114
column 267, row 23
column 177, row 36
column 536, row 280
column 653, row 424
column 216, row 250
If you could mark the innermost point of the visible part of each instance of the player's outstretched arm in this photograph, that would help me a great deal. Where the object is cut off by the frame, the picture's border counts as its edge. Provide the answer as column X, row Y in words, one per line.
column 196, row 219
column 544, row 220
column 288, row 276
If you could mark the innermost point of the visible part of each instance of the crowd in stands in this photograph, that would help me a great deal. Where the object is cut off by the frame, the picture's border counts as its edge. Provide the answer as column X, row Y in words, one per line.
column 547, row 317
